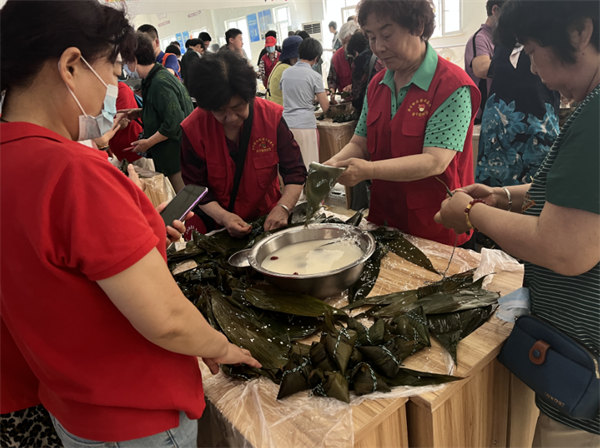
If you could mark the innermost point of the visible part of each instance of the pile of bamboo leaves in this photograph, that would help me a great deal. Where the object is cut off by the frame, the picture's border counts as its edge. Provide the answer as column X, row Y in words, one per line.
column 348, row 356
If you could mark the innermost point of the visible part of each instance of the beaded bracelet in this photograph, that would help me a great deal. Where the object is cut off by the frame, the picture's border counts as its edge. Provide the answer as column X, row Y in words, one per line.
column 468, row 210
column 509, row 197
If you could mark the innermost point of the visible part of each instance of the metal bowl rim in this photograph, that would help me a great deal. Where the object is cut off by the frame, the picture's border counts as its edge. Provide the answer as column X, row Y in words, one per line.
column 370, row 249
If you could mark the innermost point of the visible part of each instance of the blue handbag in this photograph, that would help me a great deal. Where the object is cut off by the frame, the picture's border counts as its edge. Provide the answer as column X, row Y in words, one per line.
column 560, row 370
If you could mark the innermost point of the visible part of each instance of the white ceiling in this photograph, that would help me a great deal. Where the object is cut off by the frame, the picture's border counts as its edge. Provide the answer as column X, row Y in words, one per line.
column 158, row 7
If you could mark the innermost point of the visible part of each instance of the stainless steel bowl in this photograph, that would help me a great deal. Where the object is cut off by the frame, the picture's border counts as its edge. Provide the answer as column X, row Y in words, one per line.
column 323, row 284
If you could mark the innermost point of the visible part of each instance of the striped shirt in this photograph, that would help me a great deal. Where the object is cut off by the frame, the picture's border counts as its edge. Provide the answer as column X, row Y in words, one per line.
column 569, row 177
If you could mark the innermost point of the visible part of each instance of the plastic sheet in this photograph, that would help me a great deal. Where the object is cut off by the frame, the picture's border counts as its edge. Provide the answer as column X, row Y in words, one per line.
column 333, row 137
column 247, row 414
column 251, row 416
column 157, row 187
column 495, row 260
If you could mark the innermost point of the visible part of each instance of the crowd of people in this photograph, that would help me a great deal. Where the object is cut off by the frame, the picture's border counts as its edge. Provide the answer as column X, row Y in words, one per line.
column 90, row 237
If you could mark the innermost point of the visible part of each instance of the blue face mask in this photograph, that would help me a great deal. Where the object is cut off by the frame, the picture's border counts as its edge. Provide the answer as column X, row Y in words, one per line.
column 94, row 127
column 131, row 74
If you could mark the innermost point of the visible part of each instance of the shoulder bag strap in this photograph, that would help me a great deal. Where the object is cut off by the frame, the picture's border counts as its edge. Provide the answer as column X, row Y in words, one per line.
column 240, row 156
column 474, row 47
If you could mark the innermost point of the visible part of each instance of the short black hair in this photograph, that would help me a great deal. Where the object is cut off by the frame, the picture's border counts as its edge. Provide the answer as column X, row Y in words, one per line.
column 144, row 53
column 271, row 33
column 174, row 42
column 217, row 77
column 232, row 33
column 310, row 49
column 173, row 49
column 489, row 5
column 149, row 29
column 548, row 23
column 357, row 44
column 416, row 16
column 333, row 25
column 303, row 34
column 96, row 29
column 193, row 42
column 204, row 36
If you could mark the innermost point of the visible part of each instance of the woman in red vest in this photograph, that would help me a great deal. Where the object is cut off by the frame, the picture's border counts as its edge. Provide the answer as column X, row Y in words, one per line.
column 237, row 145
column 92, row 324
column 339, row 78
column 416, row 125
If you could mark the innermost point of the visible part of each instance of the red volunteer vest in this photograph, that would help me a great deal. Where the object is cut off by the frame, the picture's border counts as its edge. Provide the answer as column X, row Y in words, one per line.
column 269, row 65
column 259, row 190
column 411, row 206
column 343, row 70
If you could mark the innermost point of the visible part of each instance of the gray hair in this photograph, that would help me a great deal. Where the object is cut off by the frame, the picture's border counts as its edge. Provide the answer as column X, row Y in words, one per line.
column 347, row 30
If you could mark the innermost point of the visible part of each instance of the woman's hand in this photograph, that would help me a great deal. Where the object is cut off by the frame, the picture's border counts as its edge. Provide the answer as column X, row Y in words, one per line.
column 277, row 218
column 135, row 178
column 481, row 191
column 234, row 355
column 452, row 212
column 357, row 170
column 141, row 146
column 131, row 114
column 235, row 225
column 177, row 227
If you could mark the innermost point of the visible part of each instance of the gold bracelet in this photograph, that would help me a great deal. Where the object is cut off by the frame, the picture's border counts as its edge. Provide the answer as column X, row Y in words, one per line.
column 103, row 148
column 468, row 210
column 509, row 197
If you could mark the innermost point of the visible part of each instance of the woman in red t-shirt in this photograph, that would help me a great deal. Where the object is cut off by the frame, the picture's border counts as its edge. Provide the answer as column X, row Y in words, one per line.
column 97, row 325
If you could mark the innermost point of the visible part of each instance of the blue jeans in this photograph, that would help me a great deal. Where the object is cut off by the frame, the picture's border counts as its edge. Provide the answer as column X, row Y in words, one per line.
column 183, row 436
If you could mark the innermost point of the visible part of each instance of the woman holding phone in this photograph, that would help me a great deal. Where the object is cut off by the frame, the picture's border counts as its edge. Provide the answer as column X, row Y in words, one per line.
column 94, row 324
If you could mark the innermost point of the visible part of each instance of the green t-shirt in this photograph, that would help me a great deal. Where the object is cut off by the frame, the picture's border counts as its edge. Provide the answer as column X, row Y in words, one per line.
column 573, row 180
column 569, row 177
column 448, row 125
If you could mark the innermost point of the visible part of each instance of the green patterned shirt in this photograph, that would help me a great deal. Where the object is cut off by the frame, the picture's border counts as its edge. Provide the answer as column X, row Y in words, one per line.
column 449, row 124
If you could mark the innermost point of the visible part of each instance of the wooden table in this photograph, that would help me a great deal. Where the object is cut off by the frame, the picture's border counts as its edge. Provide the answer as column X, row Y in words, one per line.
column 487, row 408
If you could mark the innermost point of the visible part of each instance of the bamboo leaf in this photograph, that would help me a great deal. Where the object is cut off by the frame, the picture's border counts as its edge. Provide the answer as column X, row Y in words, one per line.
column 408, row 377
column 272, row 299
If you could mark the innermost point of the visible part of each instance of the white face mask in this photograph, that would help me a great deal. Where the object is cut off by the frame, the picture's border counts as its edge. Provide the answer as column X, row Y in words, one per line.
column 94, row 127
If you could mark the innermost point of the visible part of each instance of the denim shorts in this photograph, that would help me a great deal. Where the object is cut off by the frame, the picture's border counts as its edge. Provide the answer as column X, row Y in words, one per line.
column 183, row 436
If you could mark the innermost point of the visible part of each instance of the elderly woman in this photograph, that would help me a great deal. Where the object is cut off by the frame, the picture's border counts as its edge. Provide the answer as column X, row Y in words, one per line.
column 92, row 323
column 553, row 224
column 416, row 124
column 237, row 145
column 339, row 78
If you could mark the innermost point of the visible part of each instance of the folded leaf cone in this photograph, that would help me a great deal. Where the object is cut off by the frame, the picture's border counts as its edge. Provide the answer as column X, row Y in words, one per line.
column 319, row 182
column 339, row 347
column 366, row 381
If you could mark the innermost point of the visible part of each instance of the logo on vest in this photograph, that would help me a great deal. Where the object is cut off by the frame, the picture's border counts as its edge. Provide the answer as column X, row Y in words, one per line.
column 419, row 108
column 263, row 144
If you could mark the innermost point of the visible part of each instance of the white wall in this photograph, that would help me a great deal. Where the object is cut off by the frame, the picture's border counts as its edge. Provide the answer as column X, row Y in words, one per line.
column 453, row 47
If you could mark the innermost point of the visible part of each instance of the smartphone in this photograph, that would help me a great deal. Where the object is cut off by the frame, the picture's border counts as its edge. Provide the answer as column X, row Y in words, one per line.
column 183, row 203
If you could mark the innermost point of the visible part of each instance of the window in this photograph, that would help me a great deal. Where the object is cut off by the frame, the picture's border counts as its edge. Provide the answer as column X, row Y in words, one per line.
column 348, row 11
column 447, row 17
column 194, row 33
column 242, row 25
column 283, row 21
column 165, row 42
